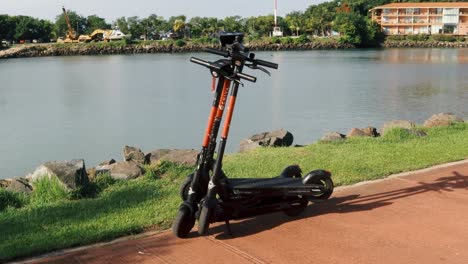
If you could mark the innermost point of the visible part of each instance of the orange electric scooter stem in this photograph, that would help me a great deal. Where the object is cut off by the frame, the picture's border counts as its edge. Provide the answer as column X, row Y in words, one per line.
column 205, row 161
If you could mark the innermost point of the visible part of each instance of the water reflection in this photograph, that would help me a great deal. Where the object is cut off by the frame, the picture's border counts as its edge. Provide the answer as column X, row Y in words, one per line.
column 425, row 56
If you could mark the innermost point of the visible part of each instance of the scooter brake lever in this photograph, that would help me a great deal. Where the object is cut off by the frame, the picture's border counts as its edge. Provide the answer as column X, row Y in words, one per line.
column 256, row 67
column 264, row 70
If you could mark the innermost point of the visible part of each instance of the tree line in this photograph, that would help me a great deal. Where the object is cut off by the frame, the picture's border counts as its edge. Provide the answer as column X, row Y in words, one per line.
column 348, row 17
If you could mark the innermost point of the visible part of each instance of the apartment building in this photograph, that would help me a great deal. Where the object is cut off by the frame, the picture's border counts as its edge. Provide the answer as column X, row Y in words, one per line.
column 422, row 18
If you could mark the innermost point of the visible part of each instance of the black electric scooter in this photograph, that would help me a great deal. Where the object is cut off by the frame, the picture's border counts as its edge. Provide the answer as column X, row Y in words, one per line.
column 208, row 194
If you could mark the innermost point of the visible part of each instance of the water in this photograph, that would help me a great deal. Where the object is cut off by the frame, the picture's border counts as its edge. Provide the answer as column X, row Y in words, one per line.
column 90, row 107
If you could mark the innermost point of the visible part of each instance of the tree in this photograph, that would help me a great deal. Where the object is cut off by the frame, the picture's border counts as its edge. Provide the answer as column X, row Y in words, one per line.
column 296, row 22
column 234, row 24
column 352, row 28
column 7, row 27
column 78, row 23
column 94, row 22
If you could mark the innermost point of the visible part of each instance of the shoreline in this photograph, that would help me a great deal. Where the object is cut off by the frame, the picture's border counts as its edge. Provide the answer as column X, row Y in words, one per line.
column 116, row 48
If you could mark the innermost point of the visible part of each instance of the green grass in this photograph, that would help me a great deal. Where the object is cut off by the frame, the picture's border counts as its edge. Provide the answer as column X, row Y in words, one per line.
column 150, row 203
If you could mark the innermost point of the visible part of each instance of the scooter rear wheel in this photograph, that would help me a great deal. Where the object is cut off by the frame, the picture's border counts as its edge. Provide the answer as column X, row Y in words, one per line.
column 183, row 223
column 326, row 182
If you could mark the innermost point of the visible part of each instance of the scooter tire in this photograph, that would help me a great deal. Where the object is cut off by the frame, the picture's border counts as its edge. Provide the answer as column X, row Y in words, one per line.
column 204, row 220
column 185, row 186
column 327, row 182
column 183, row 222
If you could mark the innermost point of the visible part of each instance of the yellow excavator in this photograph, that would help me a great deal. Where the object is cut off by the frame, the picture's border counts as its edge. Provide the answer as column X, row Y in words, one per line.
column 97, row 35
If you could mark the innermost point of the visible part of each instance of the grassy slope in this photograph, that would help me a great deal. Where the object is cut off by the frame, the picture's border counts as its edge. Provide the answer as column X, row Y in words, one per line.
column 148, row 203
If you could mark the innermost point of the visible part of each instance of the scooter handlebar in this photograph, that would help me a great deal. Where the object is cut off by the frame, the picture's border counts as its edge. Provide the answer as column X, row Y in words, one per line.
column 200, row 62
column 217, row 52
column 211, row 66
column 247, row 77
column 265, row 63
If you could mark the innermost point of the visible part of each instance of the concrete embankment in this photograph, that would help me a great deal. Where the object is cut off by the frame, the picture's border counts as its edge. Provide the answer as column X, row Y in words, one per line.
column 43, row 50
column 424, row 44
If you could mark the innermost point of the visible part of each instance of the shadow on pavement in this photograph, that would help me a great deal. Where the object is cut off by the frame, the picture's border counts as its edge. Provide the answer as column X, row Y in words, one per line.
column 339, row 205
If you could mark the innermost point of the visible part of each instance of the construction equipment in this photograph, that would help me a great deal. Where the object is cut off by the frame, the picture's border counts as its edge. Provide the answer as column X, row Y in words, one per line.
column 71, row 34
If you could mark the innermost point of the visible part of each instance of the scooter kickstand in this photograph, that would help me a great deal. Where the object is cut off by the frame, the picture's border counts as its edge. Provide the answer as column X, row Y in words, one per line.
column 228, row 227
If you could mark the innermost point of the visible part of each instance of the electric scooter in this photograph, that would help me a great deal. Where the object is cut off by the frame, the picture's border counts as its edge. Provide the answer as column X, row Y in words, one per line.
column 208, row 194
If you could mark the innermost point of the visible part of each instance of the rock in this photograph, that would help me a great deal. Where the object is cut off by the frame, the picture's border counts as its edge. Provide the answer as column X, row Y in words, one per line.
column 371, row 132
column 91, row 173
column 133, row 154
column 18, row 185
column 333, row 136
column 72, row 174
column 179, row 156
column 362, row 132
column 277, row 138
column 107, row 162
column 442, row 119
column 124, row 170
column 398, row 124
column 355, row 132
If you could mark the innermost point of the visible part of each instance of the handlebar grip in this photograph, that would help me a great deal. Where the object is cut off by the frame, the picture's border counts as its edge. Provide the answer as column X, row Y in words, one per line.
column 247, row 77
column 267, row 64
column 200, row 62
column 217, row 52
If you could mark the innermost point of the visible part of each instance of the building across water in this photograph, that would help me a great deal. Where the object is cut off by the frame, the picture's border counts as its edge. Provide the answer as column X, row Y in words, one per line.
column 422, row 18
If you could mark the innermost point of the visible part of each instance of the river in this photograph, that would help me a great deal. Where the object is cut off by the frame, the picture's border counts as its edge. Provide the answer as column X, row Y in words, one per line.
column 62, row 108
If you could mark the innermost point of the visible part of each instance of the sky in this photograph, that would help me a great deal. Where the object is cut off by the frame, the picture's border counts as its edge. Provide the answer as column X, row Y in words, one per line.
column 112, row 9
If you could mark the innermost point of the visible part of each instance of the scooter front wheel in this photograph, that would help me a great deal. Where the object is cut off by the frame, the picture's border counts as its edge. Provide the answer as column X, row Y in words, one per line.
column 204, row 220
column 183, row 223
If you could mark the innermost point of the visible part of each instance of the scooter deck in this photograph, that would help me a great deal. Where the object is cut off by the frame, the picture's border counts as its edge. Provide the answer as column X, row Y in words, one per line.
column 266, row 183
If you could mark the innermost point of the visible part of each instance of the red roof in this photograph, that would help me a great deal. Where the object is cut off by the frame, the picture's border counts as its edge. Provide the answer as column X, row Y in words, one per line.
column 425, row 5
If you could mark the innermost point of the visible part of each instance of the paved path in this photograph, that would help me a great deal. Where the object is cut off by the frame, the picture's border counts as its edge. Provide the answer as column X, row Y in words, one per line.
column 417, row 218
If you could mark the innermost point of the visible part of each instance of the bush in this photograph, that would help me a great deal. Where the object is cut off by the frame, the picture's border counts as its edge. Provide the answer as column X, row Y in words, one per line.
column 103, row 181
column 448, row 38
column 48, row 191
column 286, row 40
column 10, row 199
column 275, row 40
column 396, row 38
column 418, row 37
column 180, row 43
column 398, row 135
column 302, row 39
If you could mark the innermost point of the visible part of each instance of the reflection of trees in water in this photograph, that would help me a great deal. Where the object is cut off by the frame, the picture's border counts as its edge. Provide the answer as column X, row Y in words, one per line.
column 423, row 89
column 425, row 55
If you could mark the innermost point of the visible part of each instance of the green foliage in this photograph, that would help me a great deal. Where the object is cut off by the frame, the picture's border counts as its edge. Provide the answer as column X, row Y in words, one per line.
column 418, row 37
column 180, row 43
column 48, row 191
column 448, row 38
column 103, row 181
column 398, row 135
column 94, row 22
column 274, row 40
column 10, row 199
column 286, row 40
column 302, row 39
column 353, row 27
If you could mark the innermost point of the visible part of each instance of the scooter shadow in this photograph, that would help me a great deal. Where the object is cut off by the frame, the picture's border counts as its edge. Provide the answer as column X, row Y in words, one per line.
column 339, row 205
